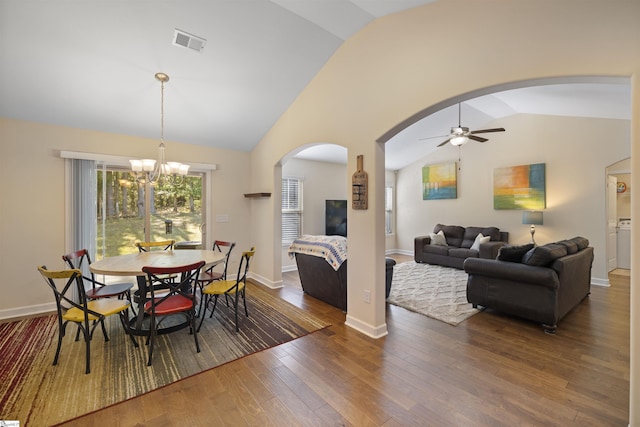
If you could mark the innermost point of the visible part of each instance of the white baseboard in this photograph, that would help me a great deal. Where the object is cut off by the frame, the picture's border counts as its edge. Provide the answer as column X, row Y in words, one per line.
column 600, row 282
column 288, row 268
column 369, row 330
column 264, row 281
column 32, row 310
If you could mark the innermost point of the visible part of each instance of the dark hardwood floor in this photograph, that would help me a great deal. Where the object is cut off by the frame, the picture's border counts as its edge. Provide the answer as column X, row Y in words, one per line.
column 491, row 370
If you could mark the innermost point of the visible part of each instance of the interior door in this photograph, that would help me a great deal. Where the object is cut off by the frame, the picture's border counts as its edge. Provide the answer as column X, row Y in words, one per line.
column 612, row 223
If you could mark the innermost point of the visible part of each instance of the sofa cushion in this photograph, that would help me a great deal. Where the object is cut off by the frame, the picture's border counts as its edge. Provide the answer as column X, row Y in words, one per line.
column 581, row 242
column 436, row 250
column 438, row 239
column 453, row 233
column 463, row 253
column 513, row 253
column 571, row 246
column 544, row 255
column 470, row 234
column 480, row 239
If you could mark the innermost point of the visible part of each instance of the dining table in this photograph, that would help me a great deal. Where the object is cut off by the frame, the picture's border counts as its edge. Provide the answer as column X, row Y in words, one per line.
column 131, row 265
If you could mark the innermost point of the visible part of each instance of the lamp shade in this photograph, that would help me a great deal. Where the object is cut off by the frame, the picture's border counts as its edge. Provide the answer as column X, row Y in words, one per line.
column 532, row 217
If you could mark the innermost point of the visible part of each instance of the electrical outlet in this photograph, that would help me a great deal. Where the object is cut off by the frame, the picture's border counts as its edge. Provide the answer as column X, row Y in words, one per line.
column 367, row 296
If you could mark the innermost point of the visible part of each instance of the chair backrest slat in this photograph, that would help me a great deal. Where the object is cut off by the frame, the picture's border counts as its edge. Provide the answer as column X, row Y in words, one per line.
column 164, row 245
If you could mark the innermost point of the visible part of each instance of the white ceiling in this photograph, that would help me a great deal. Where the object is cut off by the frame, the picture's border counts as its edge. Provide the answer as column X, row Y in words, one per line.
column 610, row 99
column 90, row 64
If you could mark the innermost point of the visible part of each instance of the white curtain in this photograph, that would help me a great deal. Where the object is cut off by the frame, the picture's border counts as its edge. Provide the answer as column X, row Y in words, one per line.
column 84, row 202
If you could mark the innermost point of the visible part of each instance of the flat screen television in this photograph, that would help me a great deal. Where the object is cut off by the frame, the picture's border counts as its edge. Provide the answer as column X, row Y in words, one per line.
column 336, row 218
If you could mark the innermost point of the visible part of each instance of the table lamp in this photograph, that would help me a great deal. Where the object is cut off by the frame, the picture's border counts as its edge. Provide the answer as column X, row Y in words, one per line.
column 534, row 218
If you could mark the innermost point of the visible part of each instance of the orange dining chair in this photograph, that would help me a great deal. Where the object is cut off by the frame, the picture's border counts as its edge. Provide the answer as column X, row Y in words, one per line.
column 234, row 288
column 178, row 297
column 86, row 313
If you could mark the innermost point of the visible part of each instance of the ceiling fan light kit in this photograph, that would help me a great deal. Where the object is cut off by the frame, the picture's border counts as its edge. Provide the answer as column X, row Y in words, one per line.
column 460, row 135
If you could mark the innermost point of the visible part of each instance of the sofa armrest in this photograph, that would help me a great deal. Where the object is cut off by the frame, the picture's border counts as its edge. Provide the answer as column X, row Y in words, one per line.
column 418, row 247
column 489, row 250
column 514, row 271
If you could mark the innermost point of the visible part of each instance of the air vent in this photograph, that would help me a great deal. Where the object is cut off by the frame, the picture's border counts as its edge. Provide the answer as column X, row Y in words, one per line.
column 184, row 39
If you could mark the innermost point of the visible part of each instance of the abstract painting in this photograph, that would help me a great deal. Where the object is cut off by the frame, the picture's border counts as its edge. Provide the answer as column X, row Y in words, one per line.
column 519, row 187
column 439, row 181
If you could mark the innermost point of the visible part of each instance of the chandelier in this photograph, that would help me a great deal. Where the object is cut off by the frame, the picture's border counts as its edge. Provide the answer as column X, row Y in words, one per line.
column 152, row 171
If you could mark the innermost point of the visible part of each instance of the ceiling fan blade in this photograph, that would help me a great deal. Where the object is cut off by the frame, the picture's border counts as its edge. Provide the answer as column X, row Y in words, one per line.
column 477, row 138
column 432, row 137
column 488, row 130
column 444, row 142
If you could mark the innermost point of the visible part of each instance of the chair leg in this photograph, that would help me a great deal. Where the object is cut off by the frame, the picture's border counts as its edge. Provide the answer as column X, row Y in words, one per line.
column 244, row 301
column 61, row 331
column 87, row 342
column 104, row 331
column 204, row 303
column 215, row 302
column 125, row 324
column 151, row 339
column 236, row 309
column 193, row 328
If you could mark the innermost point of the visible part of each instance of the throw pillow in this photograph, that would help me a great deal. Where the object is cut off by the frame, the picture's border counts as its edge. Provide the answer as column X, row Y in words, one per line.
column 513, row 253
column 544, row 255
column 479, row 240
column 438, row 238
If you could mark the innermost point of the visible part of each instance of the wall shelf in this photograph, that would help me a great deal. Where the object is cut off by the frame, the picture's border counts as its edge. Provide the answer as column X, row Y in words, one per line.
column 257, row 195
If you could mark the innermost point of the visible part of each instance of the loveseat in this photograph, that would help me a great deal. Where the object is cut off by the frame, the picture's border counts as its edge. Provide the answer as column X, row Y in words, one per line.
column 450, row 245
column 541, row 283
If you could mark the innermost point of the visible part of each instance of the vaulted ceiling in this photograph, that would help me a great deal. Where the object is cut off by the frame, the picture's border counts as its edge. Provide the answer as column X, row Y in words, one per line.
column 91, row 65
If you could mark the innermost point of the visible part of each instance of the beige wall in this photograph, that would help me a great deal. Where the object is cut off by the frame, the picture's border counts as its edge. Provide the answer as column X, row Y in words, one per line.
column 575, row 158
column 406, row 62
column 33, row 214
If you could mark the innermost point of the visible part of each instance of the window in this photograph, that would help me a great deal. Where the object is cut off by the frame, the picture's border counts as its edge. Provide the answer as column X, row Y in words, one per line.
column 388, row 209
column 291, row 209
column 175, row 212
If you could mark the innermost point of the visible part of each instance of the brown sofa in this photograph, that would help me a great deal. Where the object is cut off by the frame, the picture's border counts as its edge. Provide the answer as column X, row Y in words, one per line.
column 541, row 284
column 459, row 241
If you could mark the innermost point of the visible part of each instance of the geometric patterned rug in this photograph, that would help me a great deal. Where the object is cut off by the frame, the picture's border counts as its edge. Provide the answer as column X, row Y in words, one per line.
column 36, row 393
column 432, row 290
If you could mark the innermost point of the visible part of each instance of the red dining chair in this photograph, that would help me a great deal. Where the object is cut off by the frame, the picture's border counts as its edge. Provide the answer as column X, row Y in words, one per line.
column 81, row 259
column 178, row 297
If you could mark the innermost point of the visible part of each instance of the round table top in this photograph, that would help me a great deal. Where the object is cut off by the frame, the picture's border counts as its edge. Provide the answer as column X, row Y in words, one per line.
column 131, row 264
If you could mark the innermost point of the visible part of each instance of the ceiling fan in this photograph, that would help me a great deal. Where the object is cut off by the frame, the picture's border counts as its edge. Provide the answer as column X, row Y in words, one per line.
column 460, row 135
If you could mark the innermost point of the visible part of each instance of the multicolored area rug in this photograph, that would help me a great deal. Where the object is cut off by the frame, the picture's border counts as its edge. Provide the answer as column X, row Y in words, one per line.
column 431, row 290
column 39, row 394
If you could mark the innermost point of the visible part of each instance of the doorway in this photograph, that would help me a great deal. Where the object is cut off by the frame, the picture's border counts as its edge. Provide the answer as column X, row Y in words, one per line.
column 619, row 217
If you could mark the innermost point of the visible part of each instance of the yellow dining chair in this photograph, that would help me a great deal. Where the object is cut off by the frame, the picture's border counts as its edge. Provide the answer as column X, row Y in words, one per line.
column 86, row 313
column 163, row 245
column 178, row 297
column 234, row 288
column 210, row 275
